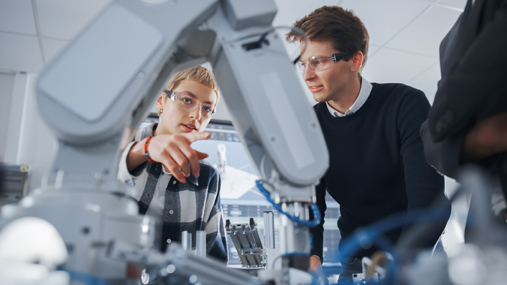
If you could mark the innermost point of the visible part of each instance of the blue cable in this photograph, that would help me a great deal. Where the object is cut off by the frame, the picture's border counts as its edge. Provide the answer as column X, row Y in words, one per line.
column 309, row 224
column 374, row 232
column 85, row 278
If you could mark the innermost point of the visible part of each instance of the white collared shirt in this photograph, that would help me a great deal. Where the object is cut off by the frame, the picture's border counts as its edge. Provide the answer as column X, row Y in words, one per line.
column 364, row 92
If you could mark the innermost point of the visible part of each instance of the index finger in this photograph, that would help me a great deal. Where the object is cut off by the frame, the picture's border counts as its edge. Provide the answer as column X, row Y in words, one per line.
column 195, row 136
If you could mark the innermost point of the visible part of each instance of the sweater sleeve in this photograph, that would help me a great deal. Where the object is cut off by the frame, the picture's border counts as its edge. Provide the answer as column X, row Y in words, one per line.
column 318, row 232
column 422, row 182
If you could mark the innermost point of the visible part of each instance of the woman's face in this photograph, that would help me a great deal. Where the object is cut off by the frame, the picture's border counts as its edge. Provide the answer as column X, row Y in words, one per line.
column 175, row 119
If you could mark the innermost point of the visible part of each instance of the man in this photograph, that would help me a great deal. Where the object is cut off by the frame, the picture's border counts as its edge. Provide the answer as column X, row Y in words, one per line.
column 171, row 181
column 377, row 166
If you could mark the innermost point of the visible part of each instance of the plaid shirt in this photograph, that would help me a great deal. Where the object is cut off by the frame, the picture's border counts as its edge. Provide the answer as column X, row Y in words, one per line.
column 191, row 206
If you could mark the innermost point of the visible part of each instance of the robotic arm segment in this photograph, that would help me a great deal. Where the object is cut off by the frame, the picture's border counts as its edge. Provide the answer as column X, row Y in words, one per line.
column 107, row 78
column 92, row 87
column 268, row 106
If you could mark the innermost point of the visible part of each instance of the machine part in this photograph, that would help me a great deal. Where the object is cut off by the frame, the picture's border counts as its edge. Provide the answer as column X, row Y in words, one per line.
column 299, row 261
column 272, row 256
column 244, row 15
column 295, row 218
column 13, row 183
column 269, row 230
column 263, row 102
column 248, row 243
column 88, row 221
column 294, row 238
column 181, row 267
column 135, row 75
column 200, row 244
column 177, row 266
column 186, row 241
column 256, row 44
column 36, row 240
column 221, row 159
column 30, row 251
column 286, row 276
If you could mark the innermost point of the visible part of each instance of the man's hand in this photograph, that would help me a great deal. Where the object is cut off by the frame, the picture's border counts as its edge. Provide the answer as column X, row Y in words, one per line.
column 173, row 151
column 314, row 262
column 486, row 138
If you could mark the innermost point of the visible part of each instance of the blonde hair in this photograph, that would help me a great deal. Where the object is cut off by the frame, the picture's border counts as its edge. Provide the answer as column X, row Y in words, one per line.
column 198, row 74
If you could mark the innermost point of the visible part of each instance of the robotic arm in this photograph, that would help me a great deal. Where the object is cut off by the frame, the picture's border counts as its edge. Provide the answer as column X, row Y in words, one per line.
column 109, row 76
column 115, row 69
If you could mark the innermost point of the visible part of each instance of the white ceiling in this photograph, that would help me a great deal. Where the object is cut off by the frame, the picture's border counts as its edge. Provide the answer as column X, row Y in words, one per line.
column 404, row 34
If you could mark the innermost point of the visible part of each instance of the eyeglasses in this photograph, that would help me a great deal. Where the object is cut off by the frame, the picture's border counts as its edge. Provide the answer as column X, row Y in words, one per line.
column 319, row 63
column 188, row 103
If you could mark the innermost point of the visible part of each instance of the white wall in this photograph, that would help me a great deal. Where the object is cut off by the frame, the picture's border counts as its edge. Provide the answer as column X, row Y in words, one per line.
column 37, row 145
column 27, row 139
column 6, row 86
column 14, row 117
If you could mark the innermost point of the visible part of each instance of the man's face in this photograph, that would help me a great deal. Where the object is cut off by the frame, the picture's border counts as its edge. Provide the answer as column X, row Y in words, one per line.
column 331, row 83
column 174, row 120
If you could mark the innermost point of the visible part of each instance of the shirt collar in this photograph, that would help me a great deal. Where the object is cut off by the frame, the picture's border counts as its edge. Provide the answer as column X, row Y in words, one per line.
column 364, row 93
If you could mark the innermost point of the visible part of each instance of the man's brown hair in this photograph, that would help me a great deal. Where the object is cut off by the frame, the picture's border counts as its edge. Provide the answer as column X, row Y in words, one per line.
column 342, row 27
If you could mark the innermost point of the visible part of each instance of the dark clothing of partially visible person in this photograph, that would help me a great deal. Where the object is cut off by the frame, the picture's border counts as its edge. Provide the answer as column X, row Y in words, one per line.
column 376, row 162
column 473, row 61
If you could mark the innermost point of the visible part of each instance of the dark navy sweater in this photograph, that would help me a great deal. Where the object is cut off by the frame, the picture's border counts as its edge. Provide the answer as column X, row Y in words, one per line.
column 376, row 161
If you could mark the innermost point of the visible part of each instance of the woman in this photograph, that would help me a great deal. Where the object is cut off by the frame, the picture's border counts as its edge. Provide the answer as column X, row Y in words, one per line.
column 172, row 181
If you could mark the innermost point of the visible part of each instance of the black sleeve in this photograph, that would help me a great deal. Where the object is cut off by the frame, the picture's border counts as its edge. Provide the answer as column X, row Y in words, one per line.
column 444, row 156
column 318, row 232
column 474, row 87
